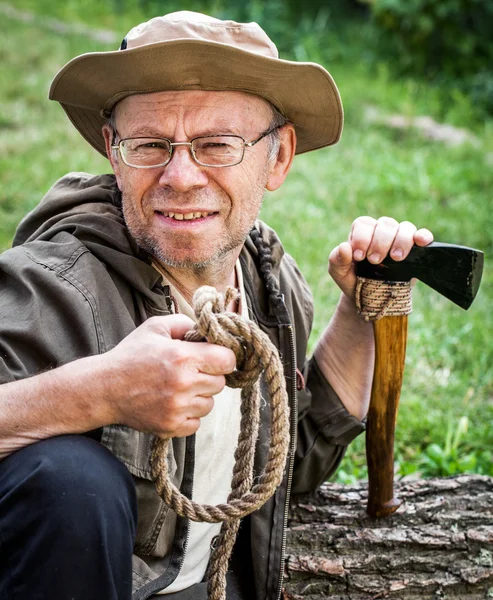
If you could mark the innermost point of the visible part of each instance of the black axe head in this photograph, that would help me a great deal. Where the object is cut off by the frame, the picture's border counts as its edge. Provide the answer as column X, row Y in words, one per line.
column 453, row 271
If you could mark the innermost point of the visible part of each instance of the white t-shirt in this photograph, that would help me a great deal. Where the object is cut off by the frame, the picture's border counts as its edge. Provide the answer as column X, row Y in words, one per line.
column 215, row 444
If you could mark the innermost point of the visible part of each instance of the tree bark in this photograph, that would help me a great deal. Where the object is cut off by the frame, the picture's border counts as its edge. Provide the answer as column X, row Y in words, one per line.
column 439, row 543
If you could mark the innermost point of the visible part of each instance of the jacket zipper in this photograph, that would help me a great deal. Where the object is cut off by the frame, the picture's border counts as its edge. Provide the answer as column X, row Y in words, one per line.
column 185, row 549
column 187, row 538
column 293, row 426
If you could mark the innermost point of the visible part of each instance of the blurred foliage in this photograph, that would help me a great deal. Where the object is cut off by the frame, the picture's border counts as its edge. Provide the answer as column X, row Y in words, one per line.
column 449, row 42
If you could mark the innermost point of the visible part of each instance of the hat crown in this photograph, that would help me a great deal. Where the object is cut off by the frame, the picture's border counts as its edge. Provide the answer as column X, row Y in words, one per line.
column 188, row 25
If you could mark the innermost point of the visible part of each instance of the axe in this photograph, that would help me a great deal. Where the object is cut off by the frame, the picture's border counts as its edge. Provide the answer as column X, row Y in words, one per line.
column 383, row 295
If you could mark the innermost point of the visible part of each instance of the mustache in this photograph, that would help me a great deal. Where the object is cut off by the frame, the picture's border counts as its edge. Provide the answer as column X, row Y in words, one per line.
column 202, row 198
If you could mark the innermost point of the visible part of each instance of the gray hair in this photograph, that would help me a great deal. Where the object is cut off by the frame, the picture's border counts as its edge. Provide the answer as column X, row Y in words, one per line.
column 277, row 120
column 111, row 121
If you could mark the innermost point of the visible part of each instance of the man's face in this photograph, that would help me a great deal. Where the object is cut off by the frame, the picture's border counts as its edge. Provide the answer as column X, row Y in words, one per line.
column 158, row 201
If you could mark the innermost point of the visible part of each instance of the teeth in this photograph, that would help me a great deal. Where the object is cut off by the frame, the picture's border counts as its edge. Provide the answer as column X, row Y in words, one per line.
column 186, row 216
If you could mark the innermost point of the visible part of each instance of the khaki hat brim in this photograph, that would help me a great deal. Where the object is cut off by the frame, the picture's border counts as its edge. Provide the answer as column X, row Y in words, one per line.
column 90, row 85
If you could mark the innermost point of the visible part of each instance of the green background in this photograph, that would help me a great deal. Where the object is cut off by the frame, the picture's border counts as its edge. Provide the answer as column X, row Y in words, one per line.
column 445, row 419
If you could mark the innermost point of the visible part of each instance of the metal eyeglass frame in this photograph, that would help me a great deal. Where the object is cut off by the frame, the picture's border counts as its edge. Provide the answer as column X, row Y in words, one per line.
column 190, row 145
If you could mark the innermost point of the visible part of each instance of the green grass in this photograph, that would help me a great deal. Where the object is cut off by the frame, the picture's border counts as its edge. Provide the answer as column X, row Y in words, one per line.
column 446, row 412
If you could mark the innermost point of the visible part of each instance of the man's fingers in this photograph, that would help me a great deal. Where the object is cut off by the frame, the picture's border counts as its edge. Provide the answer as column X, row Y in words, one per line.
column 201, row 406
column 213, row 359
column 188, row 427
column 404, row 241
column 406, row 237
column 374, row 239
column 361, row 236
column 191, row 414
column 423, row 237
column 383, row 237
column 207, row 385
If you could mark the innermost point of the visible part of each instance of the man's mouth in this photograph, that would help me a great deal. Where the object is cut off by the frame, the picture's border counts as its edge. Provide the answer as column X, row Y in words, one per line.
column 187, row 216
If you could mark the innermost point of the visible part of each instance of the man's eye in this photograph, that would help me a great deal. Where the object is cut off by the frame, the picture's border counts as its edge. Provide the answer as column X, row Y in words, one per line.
column 214, row 145
column 217, row 146
column 152, row 145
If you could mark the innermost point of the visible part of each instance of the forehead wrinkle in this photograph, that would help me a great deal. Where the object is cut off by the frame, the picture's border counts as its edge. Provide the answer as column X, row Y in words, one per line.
column 151, row 131
column 219, row 126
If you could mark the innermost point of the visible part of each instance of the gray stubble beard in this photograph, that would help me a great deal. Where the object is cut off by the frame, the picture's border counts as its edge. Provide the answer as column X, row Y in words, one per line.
column 149, row 245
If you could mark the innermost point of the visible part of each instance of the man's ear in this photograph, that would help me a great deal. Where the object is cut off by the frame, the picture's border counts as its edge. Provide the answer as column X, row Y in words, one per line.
column 113, row 156
column 282, row 162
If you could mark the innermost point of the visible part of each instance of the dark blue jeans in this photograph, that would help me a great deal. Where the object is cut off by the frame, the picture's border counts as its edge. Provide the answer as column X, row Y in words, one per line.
column 68, row 514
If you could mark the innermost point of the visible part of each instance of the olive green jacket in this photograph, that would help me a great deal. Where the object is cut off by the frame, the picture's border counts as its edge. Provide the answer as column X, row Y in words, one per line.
column 75, row 284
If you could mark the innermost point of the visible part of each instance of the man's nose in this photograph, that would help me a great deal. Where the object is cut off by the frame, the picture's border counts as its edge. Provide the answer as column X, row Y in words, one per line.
column 182, row 173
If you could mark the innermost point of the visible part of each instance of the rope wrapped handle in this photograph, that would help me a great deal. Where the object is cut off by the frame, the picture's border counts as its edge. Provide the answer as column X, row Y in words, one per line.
column 376, row 299
column 255, row 353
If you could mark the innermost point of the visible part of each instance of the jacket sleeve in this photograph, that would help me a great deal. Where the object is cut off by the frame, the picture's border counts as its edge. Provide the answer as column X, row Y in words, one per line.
column 325, row 428
column 44, row 319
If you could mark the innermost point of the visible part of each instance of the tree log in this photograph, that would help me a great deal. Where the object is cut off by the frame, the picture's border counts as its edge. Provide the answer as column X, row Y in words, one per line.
column 439, row 543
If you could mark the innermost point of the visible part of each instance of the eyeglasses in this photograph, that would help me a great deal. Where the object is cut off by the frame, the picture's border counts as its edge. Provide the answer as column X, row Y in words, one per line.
column 207, row 151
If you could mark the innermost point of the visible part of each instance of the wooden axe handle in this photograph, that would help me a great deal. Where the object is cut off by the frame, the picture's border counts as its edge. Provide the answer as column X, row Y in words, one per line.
column 390, row 353
column 454, row 271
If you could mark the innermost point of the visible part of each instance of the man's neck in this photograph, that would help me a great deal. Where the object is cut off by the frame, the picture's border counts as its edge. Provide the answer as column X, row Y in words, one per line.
column 219, row 274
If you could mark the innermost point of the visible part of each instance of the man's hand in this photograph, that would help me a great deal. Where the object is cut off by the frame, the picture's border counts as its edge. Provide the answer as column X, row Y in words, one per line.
column 162, row 384
column 373, row 240
column 152, row 381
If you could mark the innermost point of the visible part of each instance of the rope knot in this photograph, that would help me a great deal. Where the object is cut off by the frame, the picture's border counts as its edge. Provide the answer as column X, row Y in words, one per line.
column 215, row 301
column 217, row 326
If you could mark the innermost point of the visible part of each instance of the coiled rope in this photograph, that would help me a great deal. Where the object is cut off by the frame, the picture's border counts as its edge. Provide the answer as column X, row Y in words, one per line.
column 255, row 354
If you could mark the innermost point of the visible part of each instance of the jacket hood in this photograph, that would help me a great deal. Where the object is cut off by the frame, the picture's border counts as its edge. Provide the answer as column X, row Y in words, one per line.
column 72, row 205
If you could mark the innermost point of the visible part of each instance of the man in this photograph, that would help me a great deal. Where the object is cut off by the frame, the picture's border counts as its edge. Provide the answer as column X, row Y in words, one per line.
column 197, row 117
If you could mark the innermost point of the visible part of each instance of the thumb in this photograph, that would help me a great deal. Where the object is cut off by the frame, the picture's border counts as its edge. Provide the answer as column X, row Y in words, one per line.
column 341, row 261
column 171, row 326
column 341, row 268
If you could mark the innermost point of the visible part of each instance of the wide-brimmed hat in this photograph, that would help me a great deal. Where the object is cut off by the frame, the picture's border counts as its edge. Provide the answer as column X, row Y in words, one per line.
column 191, row 51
